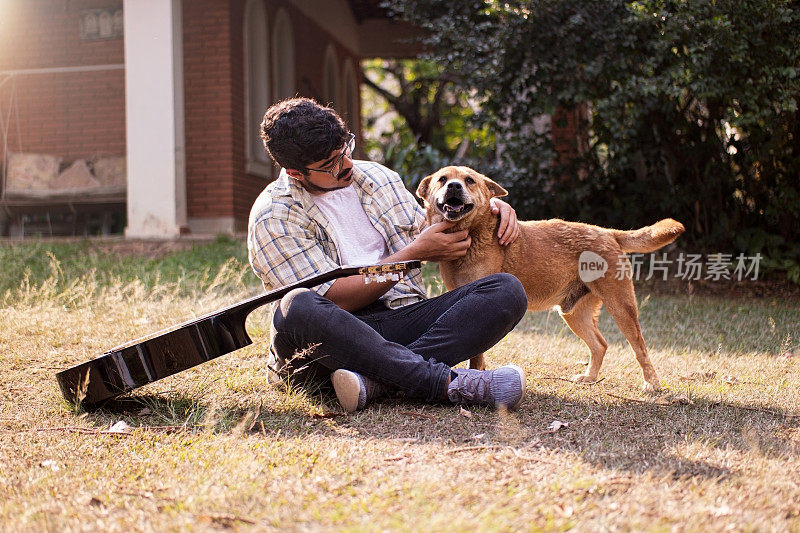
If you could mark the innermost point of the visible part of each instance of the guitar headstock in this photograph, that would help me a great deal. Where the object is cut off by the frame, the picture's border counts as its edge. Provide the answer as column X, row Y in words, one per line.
column 387, row 271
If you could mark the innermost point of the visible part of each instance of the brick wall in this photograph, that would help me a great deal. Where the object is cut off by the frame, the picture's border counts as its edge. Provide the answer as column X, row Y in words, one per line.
column 246, row 186
column 217, row 183
column 208, row 101
column 311, row 40
column 68, row 114
column 80, row 114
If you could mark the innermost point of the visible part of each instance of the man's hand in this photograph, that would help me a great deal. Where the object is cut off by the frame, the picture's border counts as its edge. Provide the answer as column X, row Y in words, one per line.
column 509, row 226
column 434, row 244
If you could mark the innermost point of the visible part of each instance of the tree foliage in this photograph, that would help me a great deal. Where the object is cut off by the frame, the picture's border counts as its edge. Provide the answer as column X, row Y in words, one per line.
column 429, row 117
column 693, row 109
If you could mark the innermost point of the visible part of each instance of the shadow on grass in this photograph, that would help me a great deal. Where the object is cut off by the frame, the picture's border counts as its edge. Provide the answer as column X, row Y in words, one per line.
column 665, row 440
column 641, row 434
column 691, row 324
column 175, row 411
column 672, row 440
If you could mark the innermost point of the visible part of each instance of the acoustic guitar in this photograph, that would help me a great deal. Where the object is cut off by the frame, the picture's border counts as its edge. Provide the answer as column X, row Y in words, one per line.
column 177, row 348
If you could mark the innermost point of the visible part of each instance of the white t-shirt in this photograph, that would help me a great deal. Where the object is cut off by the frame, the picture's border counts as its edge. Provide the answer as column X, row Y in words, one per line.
column 358, row 241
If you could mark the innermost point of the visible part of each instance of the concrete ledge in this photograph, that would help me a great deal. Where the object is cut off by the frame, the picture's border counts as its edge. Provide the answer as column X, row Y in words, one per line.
column 212, row 226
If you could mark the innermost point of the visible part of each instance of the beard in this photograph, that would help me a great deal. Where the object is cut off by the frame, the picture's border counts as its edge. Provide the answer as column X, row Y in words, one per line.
column 345, row 175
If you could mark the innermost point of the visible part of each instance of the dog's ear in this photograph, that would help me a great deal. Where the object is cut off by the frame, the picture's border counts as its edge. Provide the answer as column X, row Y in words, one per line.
column 494, row 189
column 422, row 189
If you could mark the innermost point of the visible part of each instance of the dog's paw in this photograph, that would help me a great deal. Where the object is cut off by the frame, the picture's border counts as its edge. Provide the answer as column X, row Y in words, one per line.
column 583, row 378
column 651, row 387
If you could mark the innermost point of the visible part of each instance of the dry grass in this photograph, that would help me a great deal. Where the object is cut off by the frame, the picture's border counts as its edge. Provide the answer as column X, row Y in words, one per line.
column 216, row 447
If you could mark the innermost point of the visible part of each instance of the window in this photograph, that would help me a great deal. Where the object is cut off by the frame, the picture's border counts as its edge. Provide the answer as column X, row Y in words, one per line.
column 256, row 85
column 330, row 78
column 283, row 57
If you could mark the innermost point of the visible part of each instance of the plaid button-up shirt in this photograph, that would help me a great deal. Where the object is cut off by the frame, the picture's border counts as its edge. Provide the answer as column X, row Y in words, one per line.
column 289, row 238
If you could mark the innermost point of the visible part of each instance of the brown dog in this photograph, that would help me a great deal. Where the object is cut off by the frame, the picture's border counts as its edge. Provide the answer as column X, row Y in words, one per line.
column 568, row 265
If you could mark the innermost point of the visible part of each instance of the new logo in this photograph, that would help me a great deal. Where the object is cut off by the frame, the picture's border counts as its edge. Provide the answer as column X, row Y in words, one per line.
column 591, row 266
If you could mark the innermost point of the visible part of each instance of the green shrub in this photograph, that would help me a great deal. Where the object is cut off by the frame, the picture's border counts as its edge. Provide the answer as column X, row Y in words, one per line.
column 693, row 110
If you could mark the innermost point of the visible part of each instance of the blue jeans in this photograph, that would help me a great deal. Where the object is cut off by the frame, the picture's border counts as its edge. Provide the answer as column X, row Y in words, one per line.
column 410, row 348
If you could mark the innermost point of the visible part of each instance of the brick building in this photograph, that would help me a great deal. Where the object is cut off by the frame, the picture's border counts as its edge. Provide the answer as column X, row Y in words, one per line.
column 177, row 87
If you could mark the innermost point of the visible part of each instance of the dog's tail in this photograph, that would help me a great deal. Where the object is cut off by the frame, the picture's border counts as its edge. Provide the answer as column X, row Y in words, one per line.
column 649, row 238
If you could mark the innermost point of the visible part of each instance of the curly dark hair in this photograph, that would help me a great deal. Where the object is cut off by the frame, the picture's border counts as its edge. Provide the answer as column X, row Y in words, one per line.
column 299, row 131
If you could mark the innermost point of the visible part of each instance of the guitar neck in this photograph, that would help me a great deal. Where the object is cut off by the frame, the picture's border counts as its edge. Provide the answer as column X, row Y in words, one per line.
column 247, row 306
column 239, row 311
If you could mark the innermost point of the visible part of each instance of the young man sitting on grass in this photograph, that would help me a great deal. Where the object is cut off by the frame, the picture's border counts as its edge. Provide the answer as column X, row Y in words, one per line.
column 326, row 210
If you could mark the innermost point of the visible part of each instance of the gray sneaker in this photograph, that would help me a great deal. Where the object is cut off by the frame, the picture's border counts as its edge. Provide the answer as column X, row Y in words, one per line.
column 501, row 387
column 355, row 391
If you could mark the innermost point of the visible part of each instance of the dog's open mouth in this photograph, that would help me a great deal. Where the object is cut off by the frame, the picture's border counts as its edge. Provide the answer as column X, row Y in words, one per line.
column 454, row 208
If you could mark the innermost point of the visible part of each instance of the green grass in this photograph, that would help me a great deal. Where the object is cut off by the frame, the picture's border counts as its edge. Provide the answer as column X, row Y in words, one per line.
column 192, row 267
column 216, row 447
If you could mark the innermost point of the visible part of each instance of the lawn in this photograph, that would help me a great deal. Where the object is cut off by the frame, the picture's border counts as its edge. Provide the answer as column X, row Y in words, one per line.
column 216, row 447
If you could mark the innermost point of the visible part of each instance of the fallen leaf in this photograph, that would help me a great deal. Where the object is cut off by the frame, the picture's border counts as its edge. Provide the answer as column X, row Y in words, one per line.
column 255, row 418
column 465, row 413
column 722, row 510
column 565, row 511
column 731, row 380
column 145, row 411
column 119, row 427
column 51, row 464
column 556, row 425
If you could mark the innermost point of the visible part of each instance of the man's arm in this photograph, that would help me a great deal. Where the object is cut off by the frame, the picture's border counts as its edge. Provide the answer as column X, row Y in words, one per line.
column 433, row 244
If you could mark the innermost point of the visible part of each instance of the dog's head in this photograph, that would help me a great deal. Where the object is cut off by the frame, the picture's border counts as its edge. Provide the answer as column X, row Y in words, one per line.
column 457, row 194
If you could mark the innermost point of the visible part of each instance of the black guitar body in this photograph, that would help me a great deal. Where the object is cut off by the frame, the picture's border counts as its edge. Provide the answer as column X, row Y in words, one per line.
column 125, row 368
column 173, row 350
